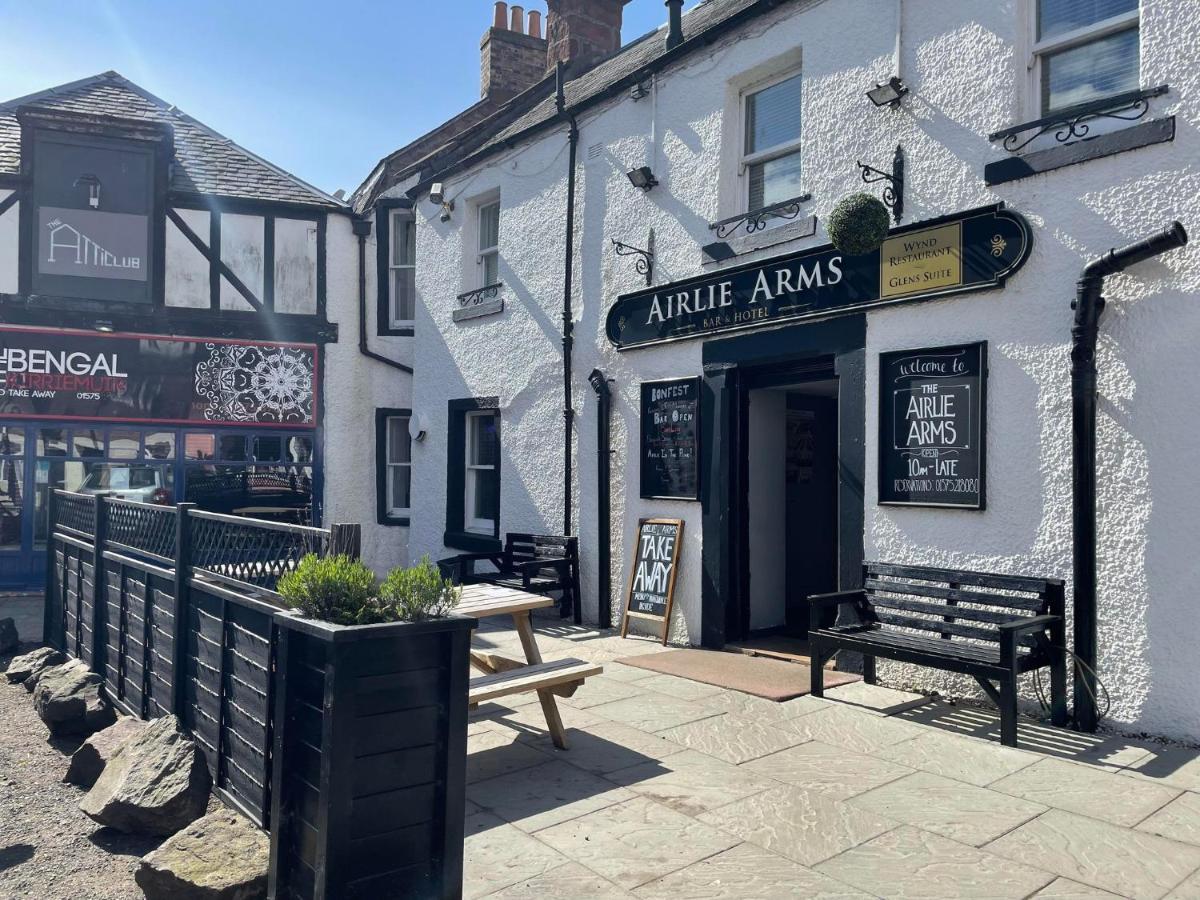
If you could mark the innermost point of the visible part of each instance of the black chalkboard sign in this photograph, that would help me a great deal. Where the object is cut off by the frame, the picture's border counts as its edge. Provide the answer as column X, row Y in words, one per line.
column 933, row 426
column 670, row 467
column 652, row 581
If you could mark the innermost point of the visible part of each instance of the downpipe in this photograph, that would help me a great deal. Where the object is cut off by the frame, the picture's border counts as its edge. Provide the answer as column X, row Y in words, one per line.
column 568, row 325
column 1088, row 306
column 362, row 228
column 600, row 384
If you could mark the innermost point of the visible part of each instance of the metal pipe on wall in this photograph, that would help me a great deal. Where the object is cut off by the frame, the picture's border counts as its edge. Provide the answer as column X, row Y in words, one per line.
column 1088, row 306
column 603, row 496
column 362, row 228
column 568, row 325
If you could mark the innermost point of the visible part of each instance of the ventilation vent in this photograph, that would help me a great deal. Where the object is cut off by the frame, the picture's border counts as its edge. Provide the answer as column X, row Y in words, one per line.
column 595, row 151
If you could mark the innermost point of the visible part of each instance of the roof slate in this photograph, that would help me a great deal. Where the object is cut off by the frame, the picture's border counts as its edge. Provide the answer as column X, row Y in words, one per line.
column 205, row 161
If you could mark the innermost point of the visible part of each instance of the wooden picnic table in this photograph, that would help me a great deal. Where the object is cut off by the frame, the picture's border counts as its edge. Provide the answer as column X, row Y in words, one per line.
column 504, row 675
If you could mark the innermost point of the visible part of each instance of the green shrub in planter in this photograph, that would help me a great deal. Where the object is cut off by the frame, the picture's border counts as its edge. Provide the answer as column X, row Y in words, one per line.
column 858, row 224
column 334, row 589
column 418, row 593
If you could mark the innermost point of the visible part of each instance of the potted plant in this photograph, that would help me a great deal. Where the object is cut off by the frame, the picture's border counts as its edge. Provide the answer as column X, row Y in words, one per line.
column 858, row 224
column 369, row 768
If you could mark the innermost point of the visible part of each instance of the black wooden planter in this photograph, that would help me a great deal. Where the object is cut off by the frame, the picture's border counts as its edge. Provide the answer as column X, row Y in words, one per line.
column 369, row 759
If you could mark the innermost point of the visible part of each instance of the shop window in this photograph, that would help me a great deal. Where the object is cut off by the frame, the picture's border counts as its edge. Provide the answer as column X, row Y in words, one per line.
column 299, row 449
column 89, row 443
column 123, row 444
column 473, row 475
column 53, row 442
column 489, row 244
column 200, row 446
column 770, row 160
column 12, row 473
column 402, row 269
column 159, row 445
column 393, row 471
column 1085, row 50
column 268, row 448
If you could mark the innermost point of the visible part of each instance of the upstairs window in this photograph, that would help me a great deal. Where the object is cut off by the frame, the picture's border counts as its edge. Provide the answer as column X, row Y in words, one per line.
column 489, row 244
column 770, row 161
column 402, row 269
column 1085, row 50
column 393, row 472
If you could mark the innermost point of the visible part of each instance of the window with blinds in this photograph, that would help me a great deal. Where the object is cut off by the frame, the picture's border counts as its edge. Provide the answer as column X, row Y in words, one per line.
column 402, row 261
column 489, row 244
column 770, row 161
column 1085, row 50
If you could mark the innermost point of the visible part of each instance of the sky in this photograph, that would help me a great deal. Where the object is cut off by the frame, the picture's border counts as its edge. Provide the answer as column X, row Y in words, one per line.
column 322, row 88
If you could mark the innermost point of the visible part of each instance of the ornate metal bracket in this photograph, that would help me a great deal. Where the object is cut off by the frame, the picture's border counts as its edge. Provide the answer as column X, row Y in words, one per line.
column 645, row 258
column 480, row 295
column 756, row 220
column 1072, row 123
column 893, row 193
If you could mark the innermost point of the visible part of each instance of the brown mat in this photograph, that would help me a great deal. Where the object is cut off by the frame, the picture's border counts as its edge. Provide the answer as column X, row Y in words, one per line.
column 768, row 678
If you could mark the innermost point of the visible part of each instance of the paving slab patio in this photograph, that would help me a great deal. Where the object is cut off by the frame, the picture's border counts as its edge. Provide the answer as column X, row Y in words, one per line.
column 680, row 790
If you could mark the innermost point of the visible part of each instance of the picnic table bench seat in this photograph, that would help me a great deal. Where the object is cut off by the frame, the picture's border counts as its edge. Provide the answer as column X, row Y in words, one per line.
column 537, row 563
column 991, row 627
column 535, row 677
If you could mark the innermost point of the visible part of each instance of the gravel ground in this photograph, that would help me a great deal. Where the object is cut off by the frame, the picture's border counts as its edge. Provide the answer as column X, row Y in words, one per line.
column 48, row 848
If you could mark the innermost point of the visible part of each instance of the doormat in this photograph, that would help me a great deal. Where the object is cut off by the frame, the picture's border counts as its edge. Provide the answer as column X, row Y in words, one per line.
column 771, row 679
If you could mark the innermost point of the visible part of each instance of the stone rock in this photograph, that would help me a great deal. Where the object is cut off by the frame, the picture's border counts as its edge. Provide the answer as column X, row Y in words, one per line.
column 155, row 784
column 8, row 635
column 69, row 700
column 22, row 667
column 221, row 856
column 93, row 755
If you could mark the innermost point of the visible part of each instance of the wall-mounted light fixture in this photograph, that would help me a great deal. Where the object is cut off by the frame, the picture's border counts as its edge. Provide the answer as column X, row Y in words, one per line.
column 643, row 178
column 639, row 92
column 104, row 326
column 889, row 93
column 93, row 185
column 437, row 196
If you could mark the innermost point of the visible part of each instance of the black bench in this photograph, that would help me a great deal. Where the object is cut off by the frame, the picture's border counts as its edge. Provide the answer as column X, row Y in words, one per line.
column 992, row 627
column 538, row 563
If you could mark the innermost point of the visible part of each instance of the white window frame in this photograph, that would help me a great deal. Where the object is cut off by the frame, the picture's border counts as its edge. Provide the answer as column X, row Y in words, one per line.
column 396, row 217
column 470, row 521
column 746, row 160
column 391, row 467
column 485, row 252
column 1039, row 50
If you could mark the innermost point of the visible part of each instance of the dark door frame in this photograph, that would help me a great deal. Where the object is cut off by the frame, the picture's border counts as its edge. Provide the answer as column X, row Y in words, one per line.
column 732, row 368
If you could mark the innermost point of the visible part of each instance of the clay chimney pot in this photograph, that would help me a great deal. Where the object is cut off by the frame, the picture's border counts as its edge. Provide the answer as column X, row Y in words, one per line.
column 501, row 19
column 535, row 23
column 518, row 19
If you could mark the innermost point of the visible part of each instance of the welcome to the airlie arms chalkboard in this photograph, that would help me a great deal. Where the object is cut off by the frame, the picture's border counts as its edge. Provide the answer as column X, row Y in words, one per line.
column 968, row 251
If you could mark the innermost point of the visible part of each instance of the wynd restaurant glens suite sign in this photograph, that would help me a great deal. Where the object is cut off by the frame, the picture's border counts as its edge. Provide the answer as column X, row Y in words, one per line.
column 118, row 377
column 966, row 252
column 932, row 426
column 670, row 467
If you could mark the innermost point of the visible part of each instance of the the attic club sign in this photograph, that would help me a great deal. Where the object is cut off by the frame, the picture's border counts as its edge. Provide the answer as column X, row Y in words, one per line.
column 966, row 252
column 932, row 426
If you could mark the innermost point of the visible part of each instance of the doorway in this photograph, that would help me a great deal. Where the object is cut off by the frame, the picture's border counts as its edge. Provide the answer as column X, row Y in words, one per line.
column 792, row 508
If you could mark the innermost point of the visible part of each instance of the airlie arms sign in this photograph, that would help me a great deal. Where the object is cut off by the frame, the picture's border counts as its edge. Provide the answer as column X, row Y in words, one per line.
column 968, row 251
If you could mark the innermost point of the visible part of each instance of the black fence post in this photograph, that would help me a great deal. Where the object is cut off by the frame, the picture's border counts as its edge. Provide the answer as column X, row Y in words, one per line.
column 99, row 588
column 183, row 568
column 53, row 595
column 345, row 540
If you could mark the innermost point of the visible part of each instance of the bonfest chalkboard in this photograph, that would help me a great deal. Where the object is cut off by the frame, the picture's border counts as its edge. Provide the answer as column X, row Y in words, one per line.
column 655, row 565
column 670, row 448
column 933, row 426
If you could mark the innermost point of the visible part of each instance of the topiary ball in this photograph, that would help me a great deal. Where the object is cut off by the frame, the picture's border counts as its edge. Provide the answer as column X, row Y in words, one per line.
column 858, row 224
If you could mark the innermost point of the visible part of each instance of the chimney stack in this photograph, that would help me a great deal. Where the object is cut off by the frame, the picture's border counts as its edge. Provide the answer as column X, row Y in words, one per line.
column 674, row 24
column 582, row 31
column 511, row 59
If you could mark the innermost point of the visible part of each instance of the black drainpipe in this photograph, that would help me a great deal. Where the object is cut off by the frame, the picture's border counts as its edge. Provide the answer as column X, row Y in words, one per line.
column 603, row 496
column 568, row 325
column 362, row 228
column 1088, row 305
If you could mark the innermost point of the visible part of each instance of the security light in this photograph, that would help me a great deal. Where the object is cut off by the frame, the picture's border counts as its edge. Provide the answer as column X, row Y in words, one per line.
column 642, row 178
column 92, row 183
column 889, row 93
column 104, row 326
column 437, row 193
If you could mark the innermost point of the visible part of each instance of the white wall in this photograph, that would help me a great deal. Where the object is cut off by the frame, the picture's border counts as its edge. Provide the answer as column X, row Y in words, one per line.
column 355, row 387
column 967, row 80
column 768, row 508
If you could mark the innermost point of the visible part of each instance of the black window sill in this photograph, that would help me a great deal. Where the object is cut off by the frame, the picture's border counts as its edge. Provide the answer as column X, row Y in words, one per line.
column 395, row 332
column 1015, row 168
column 472, row 542
column 398, row 521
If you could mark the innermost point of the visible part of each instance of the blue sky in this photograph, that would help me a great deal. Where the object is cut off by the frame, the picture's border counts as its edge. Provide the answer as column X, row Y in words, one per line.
column 323, row 88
